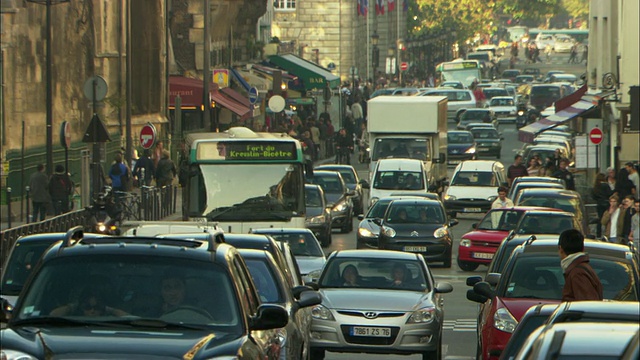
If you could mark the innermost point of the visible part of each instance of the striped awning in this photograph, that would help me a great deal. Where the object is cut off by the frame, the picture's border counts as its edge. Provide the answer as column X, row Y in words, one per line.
column 529, row 132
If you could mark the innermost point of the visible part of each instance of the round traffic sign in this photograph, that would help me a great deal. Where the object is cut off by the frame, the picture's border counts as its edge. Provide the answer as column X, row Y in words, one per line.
column 98, row 84
column 253, row 95
column 65, row 135
column 596, row 136
column 404, row 66
column 148, row 136
column 276, row 103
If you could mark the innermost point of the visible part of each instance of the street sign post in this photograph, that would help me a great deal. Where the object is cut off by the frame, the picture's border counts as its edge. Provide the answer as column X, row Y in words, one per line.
column 596, row 136
column 253, row 95
column 404, row 66
column 148, row 136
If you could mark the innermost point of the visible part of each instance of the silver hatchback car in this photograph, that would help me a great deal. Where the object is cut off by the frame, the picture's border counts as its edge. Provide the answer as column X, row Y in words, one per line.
column 378, row 301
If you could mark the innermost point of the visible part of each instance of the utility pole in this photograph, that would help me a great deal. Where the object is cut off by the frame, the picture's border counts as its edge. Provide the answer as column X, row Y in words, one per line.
column 206, row 71
column 128, row 132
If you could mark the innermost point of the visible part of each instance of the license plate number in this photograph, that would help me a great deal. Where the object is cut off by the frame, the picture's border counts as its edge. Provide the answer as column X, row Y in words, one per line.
column 370, row 331
column 483, row 255
column 415, row 248
column 473, row 210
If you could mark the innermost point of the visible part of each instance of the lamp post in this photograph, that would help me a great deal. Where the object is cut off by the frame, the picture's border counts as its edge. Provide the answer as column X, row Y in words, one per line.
column 375, row 55
column 49, row 81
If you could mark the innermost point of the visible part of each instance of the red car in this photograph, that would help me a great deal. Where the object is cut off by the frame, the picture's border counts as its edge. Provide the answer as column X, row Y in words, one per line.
column 478, row 246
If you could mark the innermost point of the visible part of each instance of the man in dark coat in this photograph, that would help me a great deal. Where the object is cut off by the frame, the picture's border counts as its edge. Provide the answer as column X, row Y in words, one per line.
column 580, row 281
column 60, row 188
column 565, row 175
column 144, row 163
column 39, row 192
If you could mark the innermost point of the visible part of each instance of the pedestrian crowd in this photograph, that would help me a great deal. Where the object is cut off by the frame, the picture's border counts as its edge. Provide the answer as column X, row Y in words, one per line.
column 50, row 194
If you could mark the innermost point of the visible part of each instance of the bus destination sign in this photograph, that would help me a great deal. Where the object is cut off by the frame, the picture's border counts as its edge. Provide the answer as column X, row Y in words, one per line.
column 460, row 65
column 247, row 150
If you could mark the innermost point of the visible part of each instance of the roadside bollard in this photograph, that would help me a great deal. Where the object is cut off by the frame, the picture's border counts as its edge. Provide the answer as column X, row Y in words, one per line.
column 9, row 207
column 28, row 189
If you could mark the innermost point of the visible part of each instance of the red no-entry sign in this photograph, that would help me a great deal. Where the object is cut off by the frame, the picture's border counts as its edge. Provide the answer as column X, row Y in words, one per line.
column 147, row 136
column 596, row 136
column 404, row 66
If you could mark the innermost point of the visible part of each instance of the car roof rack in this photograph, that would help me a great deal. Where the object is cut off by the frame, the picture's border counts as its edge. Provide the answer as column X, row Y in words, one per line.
column 73, row 235
column 530, row 240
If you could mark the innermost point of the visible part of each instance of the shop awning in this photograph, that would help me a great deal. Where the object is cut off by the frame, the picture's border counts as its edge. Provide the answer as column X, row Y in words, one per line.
column 529, row 132
column 268, row 71
column 240, row 80
column 221, row 99
column 261, row 83
column 190, row 91
column 312, row 75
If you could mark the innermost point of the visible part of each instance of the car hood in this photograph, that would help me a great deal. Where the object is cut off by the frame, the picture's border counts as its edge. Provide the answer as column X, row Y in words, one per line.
column 493, row 236
column 314, row 211
column 332, row 198
column 382, row 193
column 308, row 264
column 472, row 192
column 405, row 230
column 503, row 108
column 110, row 342
column 517, row 307
column 369, row 225
column 488, row 140
column 372, row 299
column 458, row 147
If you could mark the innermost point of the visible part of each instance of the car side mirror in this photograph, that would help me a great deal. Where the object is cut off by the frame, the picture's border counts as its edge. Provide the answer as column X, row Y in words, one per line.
column 474, row 226
column 472, row 280
column 484, row 289
column 453, row 222
column 270, row 316
column 360, row 217
column 309, row 298
column 298, row 290
column 443, row 288
column 351, row 193
column 313, row 285
column 475, row 297
column 492, row 279
column 7, row 310
column 365, row 184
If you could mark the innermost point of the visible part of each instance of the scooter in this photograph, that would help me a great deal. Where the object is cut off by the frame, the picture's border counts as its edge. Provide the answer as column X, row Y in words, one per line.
column 525, row 116
column 105, row 216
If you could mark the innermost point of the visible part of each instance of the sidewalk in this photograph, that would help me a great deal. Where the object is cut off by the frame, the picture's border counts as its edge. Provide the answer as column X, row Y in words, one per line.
column 177, row 216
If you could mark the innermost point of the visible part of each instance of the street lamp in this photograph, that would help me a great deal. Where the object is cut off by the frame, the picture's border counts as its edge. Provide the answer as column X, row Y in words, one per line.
column 49, row 81
column 375, row 54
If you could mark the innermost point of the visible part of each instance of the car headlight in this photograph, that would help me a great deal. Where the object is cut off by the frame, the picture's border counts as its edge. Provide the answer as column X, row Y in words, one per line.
column 321, row 312
column 373, row 200
column 449, row 197
column 101, row 227
column 465, row 242
column 440, row 233
column 341, row 206
column 281, row 337
column 470, row 150
column 314, row 275
column 422, row 316
column 389, row 232
column 364, row 232
column 492, row 198
column 504, row 321
column 520, row 112
column 316, row 220
column 15, row 355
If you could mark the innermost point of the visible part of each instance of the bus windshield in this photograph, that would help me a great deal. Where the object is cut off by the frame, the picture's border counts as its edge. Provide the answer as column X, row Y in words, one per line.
column 233, row 192
column 465, row 76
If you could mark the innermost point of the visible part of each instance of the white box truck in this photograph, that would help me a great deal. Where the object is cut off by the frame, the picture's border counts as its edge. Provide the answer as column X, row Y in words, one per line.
column 413, row 127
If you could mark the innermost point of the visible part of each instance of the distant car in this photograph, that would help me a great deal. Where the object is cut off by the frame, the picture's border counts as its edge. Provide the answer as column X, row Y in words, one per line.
column 544, row 95
column 567, row 200
column 383, row 91
column 420, row 226
column 368, row 230
column 492, row 126
column 558, row 141
column 549, row 73
column 543, row 151
column 564, row 78
column 535, row 179
column 533, row 275
column 532, row 71
column 488, row 141
column 354, row 183
column 474, row 186
column 542, row 40
column 318, row 216
column 492, row 92
column 563, row 43
column 596, row 311
column 511, row 74
column 504, row 107
column 305, row 247
column 366, row 307
column 517, row 187
column 458, row 100
column 524, row 79
column 338, row 197
column 405, row 91
column 460, row 146
column 475, row 115
column 452, row 84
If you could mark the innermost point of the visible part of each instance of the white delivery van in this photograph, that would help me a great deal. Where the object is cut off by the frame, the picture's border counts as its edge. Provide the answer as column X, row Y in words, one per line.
column 474, row 186
column 394, row 175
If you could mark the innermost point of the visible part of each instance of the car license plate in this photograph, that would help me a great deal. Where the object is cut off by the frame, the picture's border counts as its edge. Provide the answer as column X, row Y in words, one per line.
column 415, row 248
column 472, row 210
column 482, row 255
column 371, row 331
column 454, row 162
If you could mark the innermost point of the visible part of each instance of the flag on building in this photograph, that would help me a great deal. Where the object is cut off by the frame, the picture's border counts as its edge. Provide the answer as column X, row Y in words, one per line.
column 380, row 7
column 391, row 4
column 363, row 7
column 405, row 5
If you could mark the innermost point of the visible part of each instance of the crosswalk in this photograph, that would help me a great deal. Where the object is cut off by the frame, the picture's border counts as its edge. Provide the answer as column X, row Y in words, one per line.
column 462, row 325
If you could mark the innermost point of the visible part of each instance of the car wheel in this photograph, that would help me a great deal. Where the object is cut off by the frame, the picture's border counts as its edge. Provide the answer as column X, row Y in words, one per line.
column 317, row 354
column 498, row 156
column 467, row 266
column 447, row 260
column 326, row 239
column 434, row 355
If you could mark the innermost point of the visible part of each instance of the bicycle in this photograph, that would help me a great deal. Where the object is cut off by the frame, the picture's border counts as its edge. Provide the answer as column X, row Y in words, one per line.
column 129, row 203
column 343, row 156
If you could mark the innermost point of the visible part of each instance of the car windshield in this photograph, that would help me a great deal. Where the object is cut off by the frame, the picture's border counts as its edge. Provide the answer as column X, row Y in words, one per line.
column 569, row 204
column 452, row 95
column 474, row 178
column 459, row 138
column 490, row 93
column 414, row 214
column 474, row 115
column 500, row 219
column 546, row 224
column 546, row 91
column 375, row 273
column 410, row 148
column 313, row 197
column 23, row 259
column 480, row 133
column 378, row 209
column 301, row 244
column 329, row 183
column 539, row 276
column 501, row 102
column 127, row 288
column 399, row 180
column 265, row 281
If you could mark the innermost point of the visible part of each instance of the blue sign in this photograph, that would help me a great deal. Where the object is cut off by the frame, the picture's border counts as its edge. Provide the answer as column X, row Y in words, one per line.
column 253, row 95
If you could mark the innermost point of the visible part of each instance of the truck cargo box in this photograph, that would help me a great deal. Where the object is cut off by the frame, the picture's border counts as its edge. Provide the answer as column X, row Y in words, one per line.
column 396, row 114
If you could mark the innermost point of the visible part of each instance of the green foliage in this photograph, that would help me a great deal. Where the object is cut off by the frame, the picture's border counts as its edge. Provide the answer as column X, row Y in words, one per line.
column 578, row 9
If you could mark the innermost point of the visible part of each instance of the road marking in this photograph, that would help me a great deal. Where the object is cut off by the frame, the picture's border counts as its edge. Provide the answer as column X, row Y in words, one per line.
column 463, row 325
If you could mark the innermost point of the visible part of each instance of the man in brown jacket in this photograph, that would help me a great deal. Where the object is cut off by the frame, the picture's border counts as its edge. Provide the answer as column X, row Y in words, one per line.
column 580, row 281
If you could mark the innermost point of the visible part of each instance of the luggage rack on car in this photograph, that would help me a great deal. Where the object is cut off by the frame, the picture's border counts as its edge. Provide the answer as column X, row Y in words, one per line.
column 75, row 236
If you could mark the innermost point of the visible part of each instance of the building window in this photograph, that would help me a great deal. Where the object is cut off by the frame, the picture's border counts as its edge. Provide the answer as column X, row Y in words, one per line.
column 284, row 4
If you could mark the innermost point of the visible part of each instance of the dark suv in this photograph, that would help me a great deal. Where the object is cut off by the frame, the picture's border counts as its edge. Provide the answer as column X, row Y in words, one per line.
column 135, row 297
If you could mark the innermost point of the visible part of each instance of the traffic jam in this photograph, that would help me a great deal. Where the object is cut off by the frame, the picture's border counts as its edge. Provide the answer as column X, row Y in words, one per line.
column 460, row 219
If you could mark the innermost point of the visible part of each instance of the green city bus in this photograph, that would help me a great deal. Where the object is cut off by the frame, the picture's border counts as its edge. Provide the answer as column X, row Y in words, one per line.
column 244, row 180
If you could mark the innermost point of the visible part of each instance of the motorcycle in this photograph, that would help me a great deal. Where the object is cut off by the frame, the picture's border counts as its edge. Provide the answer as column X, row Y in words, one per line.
column 526, row 116
column 105, row 216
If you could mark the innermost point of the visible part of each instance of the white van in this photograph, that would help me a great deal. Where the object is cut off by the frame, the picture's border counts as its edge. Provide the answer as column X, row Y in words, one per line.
column 393, row 175
column 474, row 186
